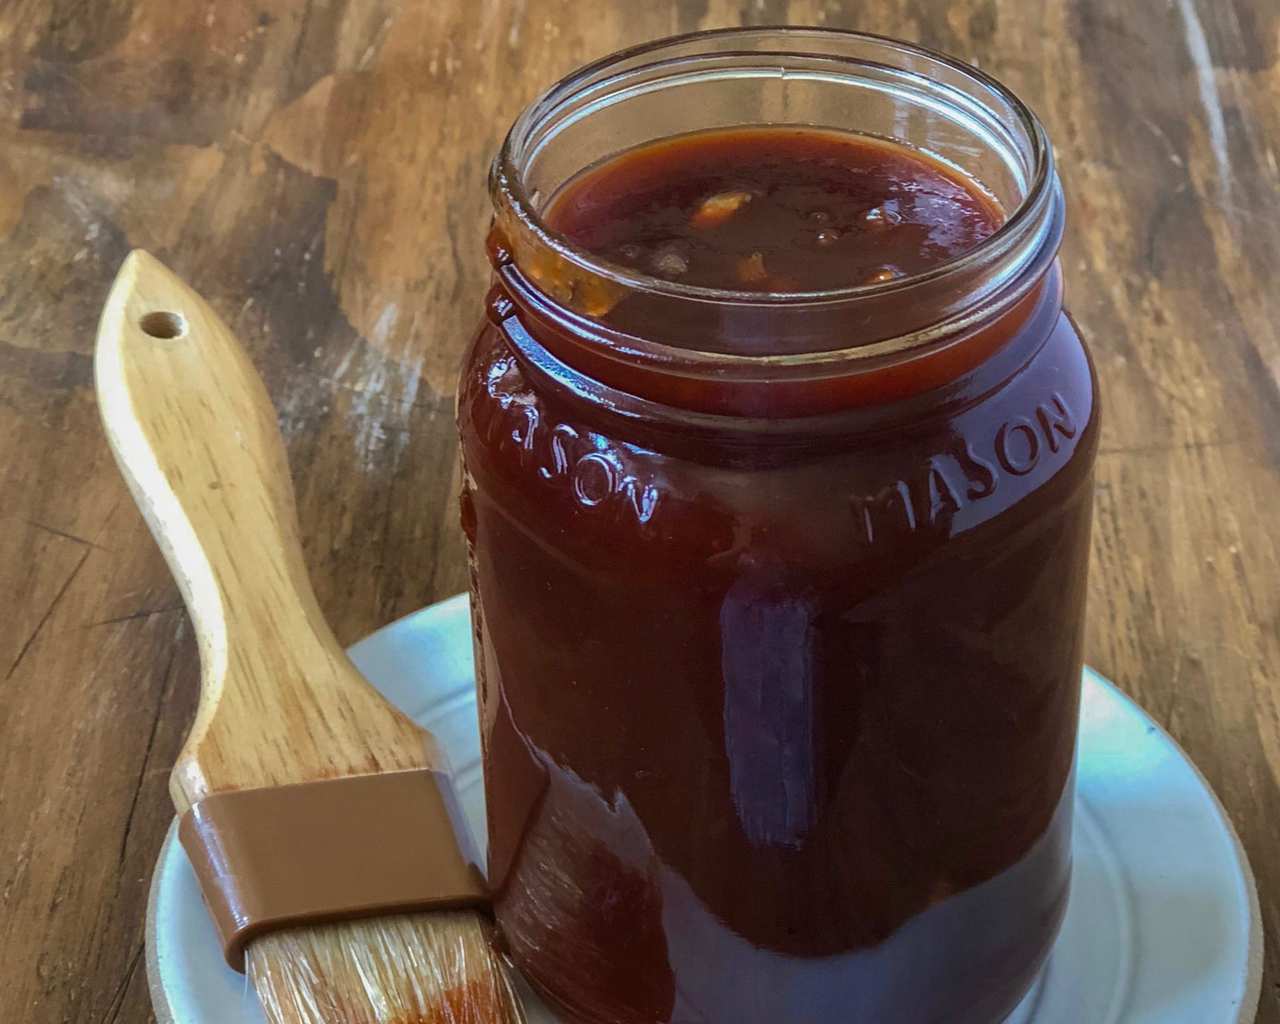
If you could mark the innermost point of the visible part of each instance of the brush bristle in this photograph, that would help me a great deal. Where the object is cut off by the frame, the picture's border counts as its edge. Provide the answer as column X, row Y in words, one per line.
column 432, row 968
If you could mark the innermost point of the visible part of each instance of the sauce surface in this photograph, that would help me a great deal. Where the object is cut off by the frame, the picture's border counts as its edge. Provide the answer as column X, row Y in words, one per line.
column 774, row 209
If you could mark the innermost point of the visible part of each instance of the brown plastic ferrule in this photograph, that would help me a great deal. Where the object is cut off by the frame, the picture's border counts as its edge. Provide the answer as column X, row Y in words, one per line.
column 328, row 851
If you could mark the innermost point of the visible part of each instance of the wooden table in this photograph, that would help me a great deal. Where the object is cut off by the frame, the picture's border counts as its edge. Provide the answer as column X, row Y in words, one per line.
column 318, row 170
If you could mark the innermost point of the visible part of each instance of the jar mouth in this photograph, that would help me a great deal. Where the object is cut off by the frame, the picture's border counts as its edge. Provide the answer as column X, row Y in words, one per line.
column 590, row 87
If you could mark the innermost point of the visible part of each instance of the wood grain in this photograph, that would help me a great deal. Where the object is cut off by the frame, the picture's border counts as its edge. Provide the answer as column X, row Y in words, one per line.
column 195, row 435
column 317, row 168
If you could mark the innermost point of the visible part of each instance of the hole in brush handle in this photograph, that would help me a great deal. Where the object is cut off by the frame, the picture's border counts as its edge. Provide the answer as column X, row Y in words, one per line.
column 164, row 324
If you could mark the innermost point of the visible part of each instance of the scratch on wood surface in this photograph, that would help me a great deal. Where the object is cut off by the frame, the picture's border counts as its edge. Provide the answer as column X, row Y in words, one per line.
column 142, row 613
column 375, row 46
column 1159, row 133
column 18, row 872
column 117, row 1001
column 45, row 617
column 386, row 321
column 62, row 533
column 162, row 703
column 1210, row 99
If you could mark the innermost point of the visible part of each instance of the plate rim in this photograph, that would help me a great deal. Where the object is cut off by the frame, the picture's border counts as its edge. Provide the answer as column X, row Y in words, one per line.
column 1247, row 1012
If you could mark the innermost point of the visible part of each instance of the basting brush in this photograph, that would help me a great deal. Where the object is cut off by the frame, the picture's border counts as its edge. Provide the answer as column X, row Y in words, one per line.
column 319, row 818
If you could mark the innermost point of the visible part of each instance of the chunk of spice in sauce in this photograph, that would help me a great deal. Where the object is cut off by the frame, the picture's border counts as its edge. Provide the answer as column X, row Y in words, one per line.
column 774, row 209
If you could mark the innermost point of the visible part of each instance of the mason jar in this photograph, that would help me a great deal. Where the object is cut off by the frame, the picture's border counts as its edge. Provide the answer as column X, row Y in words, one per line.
column 778, row 597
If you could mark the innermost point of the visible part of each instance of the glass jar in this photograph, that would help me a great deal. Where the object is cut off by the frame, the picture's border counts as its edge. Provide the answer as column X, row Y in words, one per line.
column 778, row 597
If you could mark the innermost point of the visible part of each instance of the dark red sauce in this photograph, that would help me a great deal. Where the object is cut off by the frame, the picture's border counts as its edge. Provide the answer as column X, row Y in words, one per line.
column 774, row 209
column 779, row 710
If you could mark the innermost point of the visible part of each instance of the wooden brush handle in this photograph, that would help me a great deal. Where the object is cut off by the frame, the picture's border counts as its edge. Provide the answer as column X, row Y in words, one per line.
column 196, row 437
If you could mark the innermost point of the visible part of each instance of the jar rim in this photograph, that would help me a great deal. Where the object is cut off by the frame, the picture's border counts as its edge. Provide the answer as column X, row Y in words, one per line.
column 506, row 180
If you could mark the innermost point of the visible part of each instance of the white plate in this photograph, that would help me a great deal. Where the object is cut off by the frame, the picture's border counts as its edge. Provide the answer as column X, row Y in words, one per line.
column 1163, row 925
